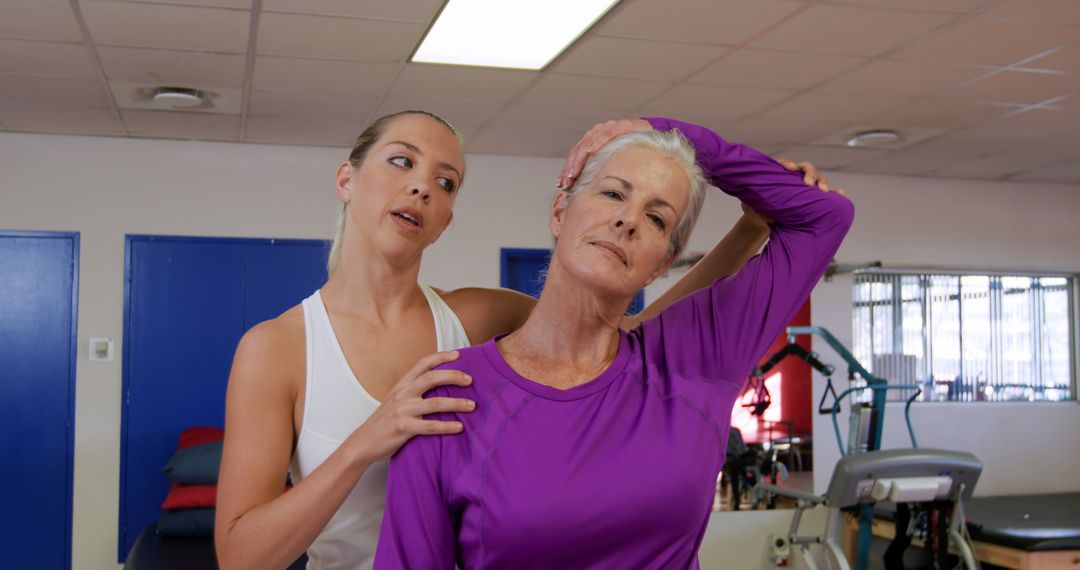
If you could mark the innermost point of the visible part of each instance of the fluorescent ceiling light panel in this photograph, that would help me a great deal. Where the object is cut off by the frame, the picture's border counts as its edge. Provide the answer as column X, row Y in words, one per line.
column 521, row 34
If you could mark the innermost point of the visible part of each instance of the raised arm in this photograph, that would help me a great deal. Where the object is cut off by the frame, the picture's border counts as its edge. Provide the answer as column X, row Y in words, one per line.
column 739, row 316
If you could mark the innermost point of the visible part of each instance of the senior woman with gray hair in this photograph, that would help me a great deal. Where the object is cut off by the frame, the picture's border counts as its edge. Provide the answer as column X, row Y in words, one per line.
column 592, row 447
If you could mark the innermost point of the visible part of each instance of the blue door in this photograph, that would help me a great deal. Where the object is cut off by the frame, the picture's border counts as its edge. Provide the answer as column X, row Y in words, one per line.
column 189, row 300
column 38, row 296
column 524, row 270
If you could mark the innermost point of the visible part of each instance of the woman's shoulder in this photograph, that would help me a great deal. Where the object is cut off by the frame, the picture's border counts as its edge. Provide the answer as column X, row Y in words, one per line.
column 486, row 312
column 273, row 350
column 472, row 361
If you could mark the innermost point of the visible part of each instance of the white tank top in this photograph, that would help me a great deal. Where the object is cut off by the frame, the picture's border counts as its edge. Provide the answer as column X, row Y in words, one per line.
column 335, row 404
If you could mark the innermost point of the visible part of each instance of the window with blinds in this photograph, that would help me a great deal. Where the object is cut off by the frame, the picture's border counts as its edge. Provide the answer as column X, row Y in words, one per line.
column 966, row 337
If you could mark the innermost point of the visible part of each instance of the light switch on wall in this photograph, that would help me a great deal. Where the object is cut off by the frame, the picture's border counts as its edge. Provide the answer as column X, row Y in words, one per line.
column 101, row 348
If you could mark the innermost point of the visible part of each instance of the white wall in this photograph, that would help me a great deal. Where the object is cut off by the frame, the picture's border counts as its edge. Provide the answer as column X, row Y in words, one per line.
column 1025, row 448
column 107, row 187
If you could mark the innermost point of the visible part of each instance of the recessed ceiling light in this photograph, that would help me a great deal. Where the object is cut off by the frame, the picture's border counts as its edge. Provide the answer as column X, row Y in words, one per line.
column 180, row 98
column 519, row 34
column 876, row 138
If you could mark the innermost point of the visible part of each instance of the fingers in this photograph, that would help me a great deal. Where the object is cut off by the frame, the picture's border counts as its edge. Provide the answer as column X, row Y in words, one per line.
column 428, row 362
column 594, row 140
column 811, row 176
column 446, row 405
column 433, row 427
column 575, row 162
column 439, row 378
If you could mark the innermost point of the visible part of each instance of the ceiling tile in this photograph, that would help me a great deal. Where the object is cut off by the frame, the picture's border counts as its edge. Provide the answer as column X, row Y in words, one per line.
column 1057, row 12
column 39, row 20
column 635, row 59
column 167, row 26
column 463, row 114
column 339, row 38
column 900, row 79
column 1068, row 173
column 54, row 91
column 309, row 105
column 35, row 117
column 712, row 106
column 1016, row 87
column 584, row 91
column 131, row 95
column 179, row 125
column 1065, row 59
column 908, row 136
column 1036, row 121
column 834, row 108
column 1037, row 154
column 452, row 82
column 849, row 30
column 980, row 41
column 774, row 69
column 23, row 57
column 174, row 68
column 302, row 131
column 530, row 119
column 234, row 4
column 941, row 114
column 682, row 21
column 765, row 131
column 830, row 157
column 946, row 151
column 513, row 143
column 421, row 11
column 946, row 6
column 293, row 74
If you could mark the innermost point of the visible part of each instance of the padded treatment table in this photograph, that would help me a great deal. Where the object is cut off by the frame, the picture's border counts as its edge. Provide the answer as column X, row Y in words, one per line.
column 1023, row 532
column 155, row 552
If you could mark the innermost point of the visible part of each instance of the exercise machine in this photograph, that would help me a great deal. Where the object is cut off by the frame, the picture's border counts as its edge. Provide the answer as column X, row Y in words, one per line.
column 932, row 483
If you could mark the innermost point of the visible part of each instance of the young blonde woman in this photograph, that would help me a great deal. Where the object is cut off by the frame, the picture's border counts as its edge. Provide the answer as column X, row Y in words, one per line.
column 333, row 387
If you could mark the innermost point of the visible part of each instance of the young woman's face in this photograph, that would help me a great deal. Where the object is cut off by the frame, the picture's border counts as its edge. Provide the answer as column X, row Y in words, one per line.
column 615, row 236
column 402, row 194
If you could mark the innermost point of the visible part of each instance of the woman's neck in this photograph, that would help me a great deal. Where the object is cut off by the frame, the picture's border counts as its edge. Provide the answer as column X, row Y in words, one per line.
column 571, row 336
column 367, row 283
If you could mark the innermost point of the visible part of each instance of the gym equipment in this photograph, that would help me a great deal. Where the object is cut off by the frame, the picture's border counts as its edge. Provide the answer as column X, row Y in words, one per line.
column 942, row 478
column 865, row 475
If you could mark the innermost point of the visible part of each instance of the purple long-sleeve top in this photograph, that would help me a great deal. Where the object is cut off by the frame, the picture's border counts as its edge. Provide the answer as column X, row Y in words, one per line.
column 618, row 472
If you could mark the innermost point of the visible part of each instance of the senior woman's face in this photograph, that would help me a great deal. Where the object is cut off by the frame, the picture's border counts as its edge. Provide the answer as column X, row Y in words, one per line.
column 616, row 234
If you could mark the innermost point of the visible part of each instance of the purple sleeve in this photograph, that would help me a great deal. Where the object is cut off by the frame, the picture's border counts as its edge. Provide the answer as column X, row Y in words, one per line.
column 722, row 330
column 417, row 528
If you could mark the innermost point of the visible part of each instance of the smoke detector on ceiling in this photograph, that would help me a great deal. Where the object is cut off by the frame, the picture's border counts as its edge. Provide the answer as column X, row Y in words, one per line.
column 181, row 98
column 173, row 97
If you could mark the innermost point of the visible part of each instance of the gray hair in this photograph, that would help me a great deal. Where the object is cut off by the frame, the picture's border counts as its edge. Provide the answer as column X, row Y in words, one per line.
column 671, row 144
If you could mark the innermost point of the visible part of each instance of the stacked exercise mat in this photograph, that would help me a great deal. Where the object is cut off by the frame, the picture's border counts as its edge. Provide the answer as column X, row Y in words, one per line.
column 189, row 508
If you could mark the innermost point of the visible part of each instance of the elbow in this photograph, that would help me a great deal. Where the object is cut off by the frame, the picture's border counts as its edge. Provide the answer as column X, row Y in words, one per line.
column 228, row 558
column 841, row 211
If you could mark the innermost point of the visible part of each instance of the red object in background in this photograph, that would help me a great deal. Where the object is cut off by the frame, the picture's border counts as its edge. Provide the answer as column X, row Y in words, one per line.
column 200, row 435
column 789, row 384
column 191, row 497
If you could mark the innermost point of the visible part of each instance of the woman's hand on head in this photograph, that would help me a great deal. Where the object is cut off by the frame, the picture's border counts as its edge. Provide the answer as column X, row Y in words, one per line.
column 593, row 141
column 401, row 414
column 810, row 173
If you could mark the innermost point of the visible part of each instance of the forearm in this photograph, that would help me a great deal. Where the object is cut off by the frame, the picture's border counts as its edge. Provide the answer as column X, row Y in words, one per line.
column 760, row 182
column 274, row 534
column 730, row 254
